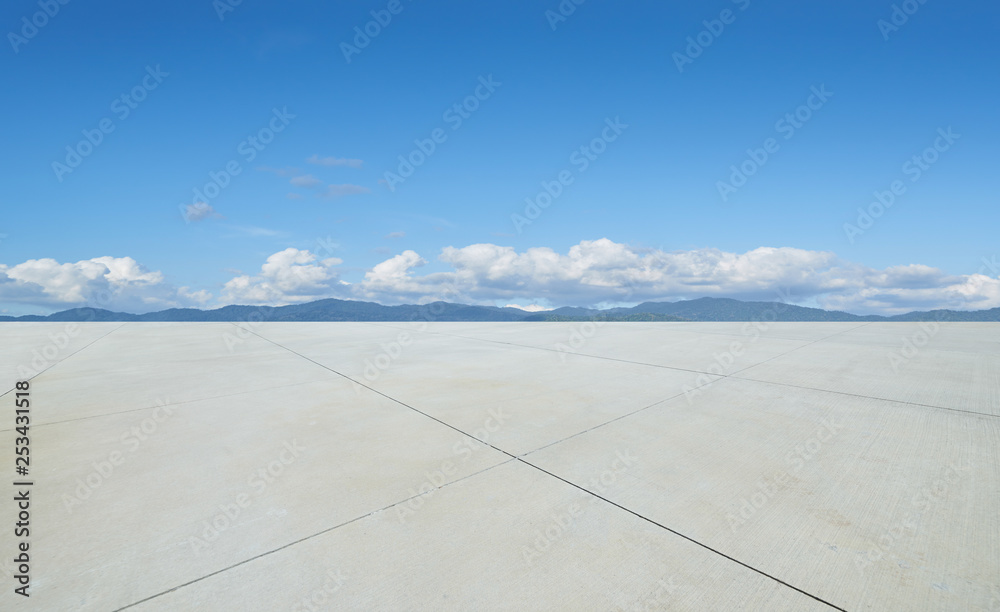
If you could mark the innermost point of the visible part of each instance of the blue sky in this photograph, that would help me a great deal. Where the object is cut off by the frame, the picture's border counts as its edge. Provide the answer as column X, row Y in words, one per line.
column 644, row 219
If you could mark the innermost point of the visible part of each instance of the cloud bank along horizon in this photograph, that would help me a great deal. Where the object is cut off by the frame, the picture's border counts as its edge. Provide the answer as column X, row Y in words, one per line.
column 597, row 273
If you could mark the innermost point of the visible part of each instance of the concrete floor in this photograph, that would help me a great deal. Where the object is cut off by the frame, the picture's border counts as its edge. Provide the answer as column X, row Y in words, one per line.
column 508, row 466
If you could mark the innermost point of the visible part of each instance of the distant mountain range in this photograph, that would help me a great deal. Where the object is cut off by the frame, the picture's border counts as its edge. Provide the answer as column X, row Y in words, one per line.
column 702, row 309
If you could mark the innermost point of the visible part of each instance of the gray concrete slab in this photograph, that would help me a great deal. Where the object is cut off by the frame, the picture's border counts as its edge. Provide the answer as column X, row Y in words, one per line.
column 961, row 337
column 524, row 397
column 767, row 327
column 143, row 364
column 507, row 539
column 31, row 348
column 865, row 503
column 891, row 369
column 148, row 444
column 203, row 485
column 667, row 345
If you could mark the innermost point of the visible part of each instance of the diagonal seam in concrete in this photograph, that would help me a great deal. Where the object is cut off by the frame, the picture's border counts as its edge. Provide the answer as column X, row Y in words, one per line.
column 82, row 348
column 651, row 521
column 308, row 537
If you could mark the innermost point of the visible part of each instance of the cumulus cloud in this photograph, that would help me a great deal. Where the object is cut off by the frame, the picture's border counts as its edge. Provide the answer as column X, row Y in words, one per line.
column 112, row 283
column 392, row 278
column 591, row 273
column 287, row 277
column 334, row 161
column 602, row 272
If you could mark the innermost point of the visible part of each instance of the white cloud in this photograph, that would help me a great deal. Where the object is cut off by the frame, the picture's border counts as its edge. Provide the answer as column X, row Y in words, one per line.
column 598, row 272
column 111, row 283
column 287, row 277
column 602, row 272
column 334, row 161
column 392, row 277
column 392, row 235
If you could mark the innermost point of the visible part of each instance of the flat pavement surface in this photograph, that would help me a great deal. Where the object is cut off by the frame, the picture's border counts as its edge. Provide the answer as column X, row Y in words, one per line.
column 504, row 466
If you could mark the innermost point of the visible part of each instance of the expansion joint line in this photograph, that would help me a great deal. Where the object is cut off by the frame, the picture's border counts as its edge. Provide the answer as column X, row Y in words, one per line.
column 82, row 348
column 373, row 390
column 688, row 538
column 551, row 350
column 300, row 540
column 796, row 348
column 544, row 471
